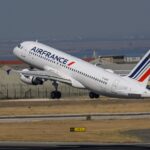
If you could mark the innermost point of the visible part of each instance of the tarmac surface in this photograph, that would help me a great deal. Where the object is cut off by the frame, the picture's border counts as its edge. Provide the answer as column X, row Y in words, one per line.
column 144, row 134
column 90, row 116
column 70, row 146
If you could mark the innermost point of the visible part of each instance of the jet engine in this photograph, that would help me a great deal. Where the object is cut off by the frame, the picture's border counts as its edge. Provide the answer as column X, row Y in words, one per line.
column 31, row 79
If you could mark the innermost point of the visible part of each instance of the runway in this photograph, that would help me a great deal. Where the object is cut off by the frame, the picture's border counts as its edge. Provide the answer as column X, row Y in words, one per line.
column 68, row 146
column 90, row 116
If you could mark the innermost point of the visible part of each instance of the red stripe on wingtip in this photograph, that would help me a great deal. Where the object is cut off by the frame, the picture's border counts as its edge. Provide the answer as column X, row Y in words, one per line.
column 71, row 63
column 147, row 73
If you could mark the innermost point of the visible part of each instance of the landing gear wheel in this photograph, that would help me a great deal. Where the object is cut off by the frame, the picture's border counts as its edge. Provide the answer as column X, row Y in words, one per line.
column 55, row 94
column 58, row 94
column 96, row 96
column 93, row 95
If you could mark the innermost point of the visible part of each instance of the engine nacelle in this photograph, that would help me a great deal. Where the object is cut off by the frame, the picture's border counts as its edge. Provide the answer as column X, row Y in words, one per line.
column 31, row 79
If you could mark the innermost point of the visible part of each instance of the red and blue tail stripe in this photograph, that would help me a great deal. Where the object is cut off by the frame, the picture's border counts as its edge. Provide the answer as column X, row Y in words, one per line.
column 144, row 76
column 142, row 69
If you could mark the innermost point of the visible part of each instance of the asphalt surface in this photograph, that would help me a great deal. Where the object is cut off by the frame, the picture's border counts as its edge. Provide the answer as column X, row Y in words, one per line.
column 143, row 134
column 91, row 116
column 71, row 146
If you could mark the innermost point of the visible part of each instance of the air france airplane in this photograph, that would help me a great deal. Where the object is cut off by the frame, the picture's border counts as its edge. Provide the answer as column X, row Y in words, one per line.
column 58, row 66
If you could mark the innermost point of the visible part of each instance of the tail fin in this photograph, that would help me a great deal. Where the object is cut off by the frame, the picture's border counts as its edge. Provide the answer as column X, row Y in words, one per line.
column 141, row 71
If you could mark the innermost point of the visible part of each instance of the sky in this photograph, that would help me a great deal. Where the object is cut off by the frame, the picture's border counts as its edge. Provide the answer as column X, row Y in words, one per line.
column 65, row 19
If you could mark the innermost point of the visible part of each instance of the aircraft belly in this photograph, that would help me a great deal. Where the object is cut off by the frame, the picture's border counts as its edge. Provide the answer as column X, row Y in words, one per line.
column 93, row 86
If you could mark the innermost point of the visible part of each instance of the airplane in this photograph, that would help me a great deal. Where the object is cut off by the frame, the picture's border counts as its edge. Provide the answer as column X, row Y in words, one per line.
column 58, row 66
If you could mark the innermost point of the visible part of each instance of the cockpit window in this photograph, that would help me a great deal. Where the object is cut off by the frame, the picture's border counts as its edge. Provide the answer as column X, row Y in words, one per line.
column 20, row 46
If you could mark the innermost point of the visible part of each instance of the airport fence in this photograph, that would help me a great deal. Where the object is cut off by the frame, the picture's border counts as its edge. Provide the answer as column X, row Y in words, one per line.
column 23, row 91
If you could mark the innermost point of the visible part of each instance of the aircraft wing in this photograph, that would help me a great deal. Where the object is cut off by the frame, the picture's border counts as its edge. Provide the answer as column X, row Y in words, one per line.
column 45, row 74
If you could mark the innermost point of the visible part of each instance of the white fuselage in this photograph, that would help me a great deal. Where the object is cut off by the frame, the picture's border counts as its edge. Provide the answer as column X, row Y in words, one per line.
column 94, row 78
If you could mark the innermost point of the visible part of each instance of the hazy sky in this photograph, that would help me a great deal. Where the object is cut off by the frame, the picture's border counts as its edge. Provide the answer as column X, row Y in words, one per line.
column 73, row 18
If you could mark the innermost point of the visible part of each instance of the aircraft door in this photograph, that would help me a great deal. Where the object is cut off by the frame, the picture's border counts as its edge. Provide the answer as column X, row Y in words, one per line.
column 23, row 53
column 31, row 56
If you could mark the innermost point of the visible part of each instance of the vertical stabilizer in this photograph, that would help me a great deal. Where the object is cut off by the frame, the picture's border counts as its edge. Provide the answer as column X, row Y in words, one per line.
column 141, row 71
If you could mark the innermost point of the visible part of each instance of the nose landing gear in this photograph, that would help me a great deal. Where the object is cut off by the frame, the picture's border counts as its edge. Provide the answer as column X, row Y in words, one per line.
column 55, row 94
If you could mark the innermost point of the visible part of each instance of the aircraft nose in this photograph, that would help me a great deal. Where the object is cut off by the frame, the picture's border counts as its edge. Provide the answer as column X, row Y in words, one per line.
column 15, row 50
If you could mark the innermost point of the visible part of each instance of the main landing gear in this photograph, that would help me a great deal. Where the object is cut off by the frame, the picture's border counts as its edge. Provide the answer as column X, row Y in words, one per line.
column 55, row 94
column 93, row 95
